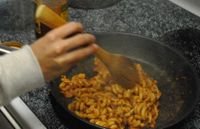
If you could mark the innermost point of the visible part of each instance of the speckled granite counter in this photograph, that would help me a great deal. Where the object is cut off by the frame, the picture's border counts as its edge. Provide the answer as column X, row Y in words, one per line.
column 157, row 19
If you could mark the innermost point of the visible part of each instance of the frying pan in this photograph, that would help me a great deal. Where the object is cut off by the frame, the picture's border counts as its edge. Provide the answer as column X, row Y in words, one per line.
column 177, row 80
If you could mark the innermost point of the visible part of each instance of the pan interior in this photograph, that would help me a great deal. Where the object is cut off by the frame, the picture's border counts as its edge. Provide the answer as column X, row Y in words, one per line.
column 176, row 79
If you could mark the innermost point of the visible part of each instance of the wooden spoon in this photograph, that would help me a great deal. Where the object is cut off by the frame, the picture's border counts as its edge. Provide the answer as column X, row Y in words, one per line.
column 122, row 69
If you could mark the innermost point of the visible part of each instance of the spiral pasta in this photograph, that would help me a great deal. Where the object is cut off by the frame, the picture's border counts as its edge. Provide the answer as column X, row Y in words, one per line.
column 105, row 103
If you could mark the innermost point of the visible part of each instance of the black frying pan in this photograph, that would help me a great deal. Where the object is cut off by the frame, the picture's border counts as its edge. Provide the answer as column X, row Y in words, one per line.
column 177, row 80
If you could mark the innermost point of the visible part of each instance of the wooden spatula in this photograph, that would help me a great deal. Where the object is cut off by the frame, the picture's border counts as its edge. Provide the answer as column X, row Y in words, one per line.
column 122, row 69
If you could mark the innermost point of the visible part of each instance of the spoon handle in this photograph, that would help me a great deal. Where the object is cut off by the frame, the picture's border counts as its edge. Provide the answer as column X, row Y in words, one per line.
column 104, row 56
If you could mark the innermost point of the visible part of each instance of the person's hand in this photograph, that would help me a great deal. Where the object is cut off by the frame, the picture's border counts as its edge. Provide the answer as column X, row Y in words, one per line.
column 54, row 50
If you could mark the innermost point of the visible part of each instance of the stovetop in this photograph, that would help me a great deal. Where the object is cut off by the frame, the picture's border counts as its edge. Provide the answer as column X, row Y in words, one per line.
column 157, row 19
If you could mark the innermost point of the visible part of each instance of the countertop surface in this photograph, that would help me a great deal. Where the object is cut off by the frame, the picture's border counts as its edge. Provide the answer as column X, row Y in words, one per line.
column 157, row 19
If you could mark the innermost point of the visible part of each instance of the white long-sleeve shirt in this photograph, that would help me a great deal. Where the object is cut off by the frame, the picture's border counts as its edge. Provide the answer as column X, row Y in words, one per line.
column 19, row 73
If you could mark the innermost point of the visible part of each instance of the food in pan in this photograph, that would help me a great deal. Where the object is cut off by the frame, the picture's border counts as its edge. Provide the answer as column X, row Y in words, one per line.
column 103, row 102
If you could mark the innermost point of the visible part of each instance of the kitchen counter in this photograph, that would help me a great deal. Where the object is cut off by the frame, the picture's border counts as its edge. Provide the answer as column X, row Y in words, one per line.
column 157, row 19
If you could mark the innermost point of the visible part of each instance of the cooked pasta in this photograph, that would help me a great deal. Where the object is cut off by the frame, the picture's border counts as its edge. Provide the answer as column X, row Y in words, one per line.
column 103, row 102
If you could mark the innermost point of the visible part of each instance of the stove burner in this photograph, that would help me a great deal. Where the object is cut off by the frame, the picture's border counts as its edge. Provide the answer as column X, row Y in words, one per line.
column 92, row 4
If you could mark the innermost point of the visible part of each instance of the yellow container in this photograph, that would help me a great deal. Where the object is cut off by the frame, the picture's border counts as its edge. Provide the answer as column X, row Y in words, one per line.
column 58, row 6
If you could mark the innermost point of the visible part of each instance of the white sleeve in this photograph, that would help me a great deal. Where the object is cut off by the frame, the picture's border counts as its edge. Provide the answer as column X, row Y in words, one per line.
column 19, row 72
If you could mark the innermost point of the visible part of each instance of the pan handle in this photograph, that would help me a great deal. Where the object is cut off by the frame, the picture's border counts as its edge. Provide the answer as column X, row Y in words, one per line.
column 6, row 49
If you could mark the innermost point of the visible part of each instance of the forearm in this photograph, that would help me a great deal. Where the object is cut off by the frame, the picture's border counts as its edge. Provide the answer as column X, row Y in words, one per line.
column 19, row 73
